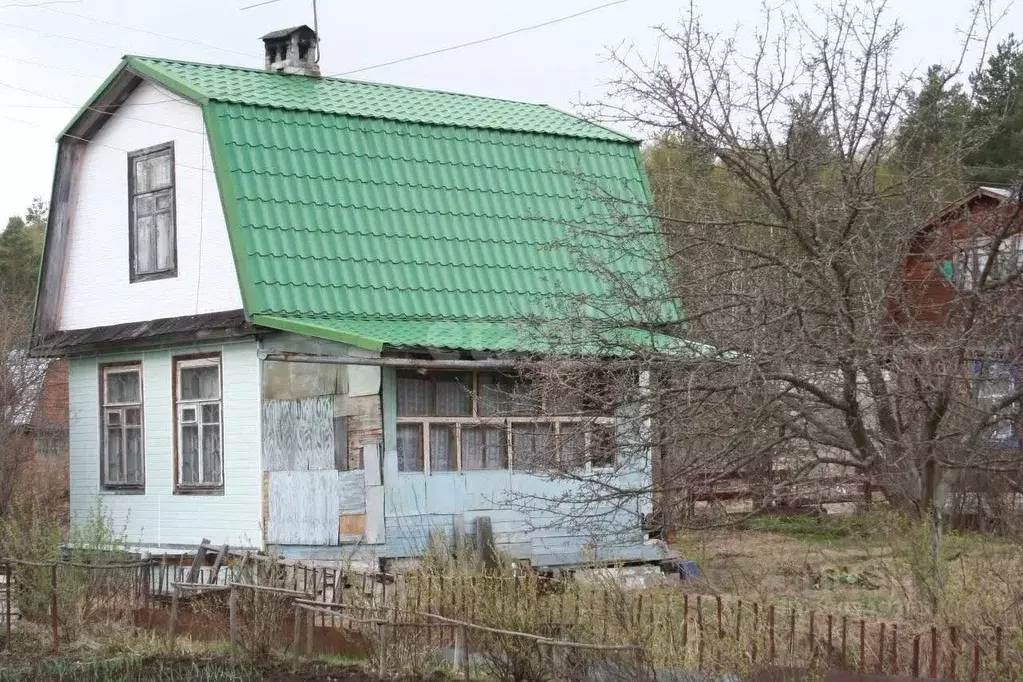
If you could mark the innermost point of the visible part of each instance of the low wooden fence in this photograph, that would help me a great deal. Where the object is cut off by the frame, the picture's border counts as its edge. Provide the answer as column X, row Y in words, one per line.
column 710, row 633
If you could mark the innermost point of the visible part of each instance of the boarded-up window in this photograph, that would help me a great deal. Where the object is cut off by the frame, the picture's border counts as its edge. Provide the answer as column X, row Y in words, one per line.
column 200, row 427
column 151, row 238
column 122, row 460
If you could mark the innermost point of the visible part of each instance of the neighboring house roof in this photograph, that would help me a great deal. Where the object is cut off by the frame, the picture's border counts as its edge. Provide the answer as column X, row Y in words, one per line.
column 978, row 193
column 388, row 216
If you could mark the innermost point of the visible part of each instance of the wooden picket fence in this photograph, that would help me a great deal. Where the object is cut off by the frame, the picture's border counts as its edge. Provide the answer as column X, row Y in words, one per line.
column 675, row 630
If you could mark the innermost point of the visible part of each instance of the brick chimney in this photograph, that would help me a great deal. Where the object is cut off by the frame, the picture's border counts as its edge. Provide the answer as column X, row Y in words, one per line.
column 292, row 50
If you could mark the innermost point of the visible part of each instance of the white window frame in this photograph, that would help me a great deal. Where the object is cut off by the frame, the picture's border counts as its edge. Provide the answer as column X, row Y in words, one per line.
column 506, row 423
column 107, row 408
column 972, row 256
column 180, row 405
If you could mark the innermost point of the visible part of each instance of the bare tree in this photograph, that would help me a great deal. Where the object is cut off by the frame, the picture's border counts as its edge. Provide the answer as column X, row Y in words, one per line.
column 21, row 380
column 785, row 228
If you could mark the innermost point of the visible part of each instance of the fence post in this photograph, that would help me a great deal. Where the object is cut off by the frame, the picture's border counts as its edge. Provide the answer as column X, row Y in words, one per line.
column 297, row 630
column 7, row 592
column 459, row 659
column 53, row 606
column 173, row 613
column 310, row 622
column 382, row 645
column 233, row 611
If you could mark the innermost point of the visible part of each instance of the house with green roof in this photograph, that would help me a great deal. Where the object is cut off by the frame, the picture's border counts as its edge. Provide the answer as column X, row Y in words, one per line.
column 292, row 303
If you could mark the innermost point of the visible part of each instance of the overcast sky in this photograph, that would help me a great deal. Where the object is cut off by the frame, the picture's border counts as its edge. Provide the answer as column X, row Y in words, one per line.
column 55, row 53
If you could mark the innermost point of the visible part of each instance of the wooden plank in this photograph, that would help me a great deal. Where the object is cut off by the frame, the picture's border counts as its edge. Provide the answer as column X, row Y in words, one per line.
column 352, row 525
column 58, row 228
column 199, row 561
column 218, row 563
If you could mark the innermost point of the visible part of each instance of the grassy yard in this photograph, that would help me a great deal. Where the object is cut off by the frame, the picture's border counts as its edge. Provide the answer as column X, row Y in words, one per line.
column 866, row 566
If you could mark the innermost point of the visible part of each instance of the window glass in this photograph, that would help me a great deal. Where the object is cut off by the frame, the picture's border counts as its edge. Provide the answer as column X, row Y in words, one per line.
column 122, row 449
column 200, row 383
column 484, row 447
column 410, row 447
column 442, row 447
column 151, row 205
column 200, row 429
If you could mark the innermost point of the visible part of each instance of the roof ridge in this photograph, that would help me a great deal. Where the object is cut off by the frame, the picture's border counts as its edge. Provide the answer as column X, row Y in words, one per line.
column 359, row 81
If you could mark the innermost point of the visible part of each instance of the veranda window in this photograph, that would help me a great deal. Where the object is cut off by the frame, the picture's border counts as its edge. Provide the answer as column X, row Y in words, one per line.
column 199, row 422
column 468, row 421
column 122, row 444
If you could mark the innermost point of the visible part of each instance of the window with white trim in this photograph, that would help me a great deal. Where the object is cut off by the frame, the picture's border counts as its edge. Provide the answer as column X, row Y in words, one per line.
column 122, row 445
column 151, row 237
column 200, row 428
column 993, row 383
column 469, row 421
column 972, row 257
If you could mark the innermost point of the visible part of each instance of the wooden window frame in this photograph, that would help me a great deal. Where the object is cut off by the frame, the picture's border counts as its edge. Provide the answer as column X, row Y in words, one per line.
column 506, row 422
column 133, row 158
column 176, row 364
column 104, row 370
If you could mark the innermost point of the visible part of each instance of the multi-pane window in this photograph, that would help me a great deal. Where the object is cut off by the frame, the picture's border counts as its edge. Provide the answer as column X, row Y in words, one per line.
column 122, row 444
column 993, row 383
column 973, row 256
column 467, row 421
column 151, row 236
column 199, row 422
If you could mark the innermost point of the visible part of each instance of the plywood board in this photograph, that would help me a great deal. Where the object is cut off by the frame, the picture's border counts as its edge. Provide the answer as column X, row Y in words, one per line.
column 298, row 435
column 352, row 524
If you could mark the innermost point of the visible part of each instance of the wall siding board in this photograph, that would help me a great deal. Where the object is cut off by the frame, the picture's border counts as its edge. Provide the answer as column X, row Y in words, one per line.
column 96, row 290
column 159, row 517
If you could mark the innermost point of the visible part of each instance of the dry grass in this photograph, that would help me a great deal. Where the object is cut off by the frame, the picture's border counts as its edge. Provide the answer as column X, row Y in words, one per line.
column 875, row 567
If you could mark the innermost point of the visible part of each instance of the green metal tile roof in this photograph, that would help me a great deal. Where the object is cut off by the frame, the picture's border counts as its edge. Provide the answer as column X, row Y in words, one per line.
column 367, row 100
column 388, row 216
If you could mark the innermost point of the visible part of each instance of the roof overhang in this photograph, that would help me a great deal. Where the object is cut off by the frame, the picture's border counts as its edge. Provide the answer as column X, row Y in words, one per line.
column 112, row 93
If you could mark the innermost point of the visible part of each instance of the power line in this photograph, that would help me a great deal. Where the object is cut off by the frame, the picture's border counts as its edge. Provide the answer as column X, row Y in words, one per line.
column 39, row 4
column 61, row 36
column 101, row 111
column 62, row 69
column 98, row 144
column 488, row 39
column 258, row 4
column 147, row 32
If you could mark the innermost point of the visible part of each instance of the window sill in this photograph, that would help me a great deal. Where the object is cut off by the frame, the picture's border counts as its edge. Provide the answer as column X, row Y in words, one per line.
column 151, row 276
column 186, row 490
column 122, row 490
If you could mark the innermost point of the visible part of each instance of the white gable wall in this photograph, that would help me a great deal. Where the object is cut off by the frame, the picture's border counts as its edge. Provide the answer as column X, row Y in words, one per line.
column 96, row 290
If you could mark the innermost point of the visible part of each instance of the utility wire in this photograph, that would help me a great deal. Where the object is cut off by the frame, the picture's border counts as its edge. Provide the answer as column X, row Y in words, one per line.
column 148, row 32
column 98, row 144
column 62, row 69
column 258, row 4
column 101, row 111
column 488, row 39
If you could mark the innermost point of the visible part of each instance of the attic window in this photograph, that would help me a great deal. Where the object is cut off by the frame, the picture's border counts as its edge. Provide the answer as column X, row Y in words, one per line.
column 152, row 242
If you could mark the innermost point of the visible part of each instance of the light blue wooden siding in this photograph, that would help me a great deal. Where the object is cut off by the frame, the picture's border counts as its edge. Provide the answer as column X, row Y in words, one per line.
column 518, row 504
column 159, row 517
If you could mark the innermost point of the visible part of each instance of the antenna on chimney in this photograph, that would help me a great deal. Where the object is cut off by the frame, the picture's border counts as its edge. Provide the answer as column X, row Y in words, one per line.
column 316, row 29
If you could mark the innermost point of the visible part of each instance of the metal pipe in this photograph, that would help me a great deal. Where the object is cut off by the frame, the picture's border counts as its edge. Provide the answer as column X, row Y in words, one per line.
column 407, row 363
